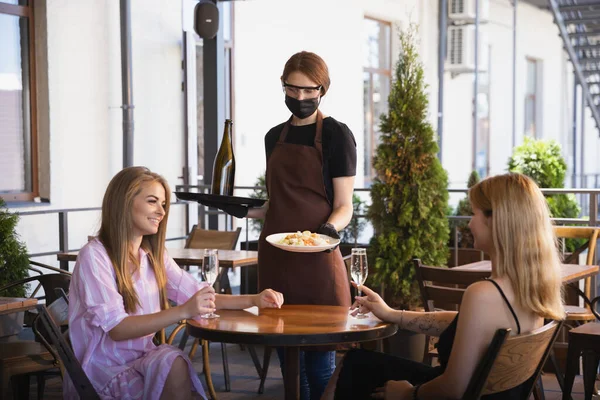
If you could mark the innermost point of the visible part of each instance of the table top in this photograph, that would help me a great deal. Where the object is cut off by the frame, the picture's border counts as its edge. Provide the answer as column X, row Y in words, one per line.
column 570, row 272
column 227, row 258
column 9, row 305
column 291, row 325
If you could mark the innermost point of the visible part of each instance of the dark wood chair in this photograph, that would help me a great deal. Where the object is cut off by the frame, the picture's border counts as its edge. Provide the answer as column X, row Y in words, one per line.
column 19, row 359
column 54, row 341
column 511, row 361
column 584, row 341
column 442, row 289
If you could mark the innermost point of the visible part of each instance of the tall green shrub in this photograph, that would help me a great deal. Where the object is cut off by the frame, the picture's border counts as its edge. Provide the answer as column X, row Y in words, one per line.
column 465, row 237
column 14, row 260
column 409, row 194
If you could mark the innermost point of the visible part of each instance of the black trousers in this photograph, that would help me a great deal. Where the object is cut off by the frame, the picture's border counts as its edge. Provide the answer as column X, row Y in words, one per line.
column 363, row 371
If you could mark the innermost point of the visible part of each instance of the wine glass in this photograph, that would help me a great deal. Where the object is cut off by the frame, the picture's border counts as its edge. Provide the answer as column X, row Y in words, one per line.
column 209, row 272
column 359, row 270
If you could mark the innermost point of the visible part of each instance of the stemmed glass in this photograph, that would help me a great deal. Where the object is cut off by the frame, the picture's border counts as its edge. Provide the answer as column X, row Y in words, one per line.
column 209, row 272
column 359, row 270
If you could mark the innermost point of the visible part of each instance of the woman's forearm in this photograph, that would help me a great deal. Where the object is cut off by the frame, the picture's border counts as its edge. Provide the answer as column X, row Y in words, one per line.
column 427, row 323
column 341, row 216
column 137, row 326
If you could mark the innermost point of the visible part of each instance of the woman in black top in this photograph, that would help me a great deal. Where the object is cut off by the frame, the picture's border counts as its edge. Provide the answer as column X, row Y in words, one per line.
column 511, row 223
column 311, row 165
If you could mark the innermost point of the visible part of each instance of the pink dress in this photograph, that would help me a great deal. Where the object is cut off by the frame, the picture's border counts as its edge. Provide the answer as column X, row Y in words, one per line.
column 128, row 369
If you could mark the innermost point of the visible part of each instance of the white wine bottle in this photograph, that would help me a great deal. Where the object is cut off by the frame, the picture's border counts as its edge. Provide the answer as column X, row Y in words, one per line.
column 224, row 166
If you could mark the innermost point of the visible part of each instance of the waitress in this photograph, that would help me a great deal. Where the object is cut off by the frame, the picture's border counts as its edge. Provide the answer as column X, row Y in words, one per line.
column 311, row 165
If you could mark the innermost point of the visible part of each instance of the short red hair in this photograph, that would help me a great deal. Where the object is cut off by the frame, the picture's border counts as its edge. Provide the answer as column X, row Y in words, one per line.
column 310, row 65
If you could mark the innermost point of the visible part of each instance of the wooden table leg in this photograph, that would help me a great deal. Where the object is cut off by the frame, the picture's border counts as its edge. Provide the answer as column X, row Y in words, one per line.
column 291, row 377
column 206, row 363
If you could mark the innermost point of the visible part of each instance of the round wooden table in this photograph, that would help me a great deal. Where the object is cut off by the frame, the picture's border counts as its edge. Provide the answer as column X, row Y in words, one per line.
column 291, row 327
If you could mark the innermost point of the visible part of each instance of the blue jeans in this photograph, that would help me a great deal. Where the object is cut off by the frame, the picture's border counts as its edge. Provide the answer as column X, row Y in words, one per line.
column 316, row 367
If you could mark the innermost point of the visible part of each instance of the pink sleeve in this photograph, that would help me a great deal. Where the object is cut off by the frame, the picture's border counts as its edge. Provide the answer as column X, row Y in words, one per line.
column 181, row 285
column 96, row 287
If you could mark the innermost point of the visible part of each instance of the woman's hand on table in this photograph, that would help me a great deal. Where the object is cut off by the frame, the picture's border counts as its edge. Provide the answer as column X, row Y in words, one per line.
column 394, row 390
column 202, row 302
column 268, row 298
column 371, row 302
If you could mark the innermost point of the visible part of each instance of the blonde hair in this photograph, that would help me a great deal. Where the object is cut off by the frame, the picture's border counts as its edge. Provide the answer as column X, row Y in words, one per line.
column 116, row 232
column 524, row 241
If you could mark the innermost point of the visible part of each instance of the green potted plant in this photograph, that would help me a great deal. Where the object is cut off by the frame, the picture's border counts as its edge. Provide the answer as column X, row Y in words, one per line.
column 462, row 251
column 542, row 161
column 350, row 235
column 259, row 192
column 409, row 193
column 14, row 264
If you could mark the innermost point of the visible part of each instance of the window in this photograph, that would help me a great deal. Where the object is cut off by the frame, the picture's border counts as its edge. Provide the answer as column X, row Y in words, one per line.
column 482, row 144
column 377, row 77
column 18, row 152
column 531, row 97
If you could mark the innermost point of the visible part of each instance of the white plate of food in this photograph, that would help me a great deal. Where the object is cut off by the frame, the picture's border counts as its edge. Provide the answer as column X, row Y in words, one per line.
column 302, row 242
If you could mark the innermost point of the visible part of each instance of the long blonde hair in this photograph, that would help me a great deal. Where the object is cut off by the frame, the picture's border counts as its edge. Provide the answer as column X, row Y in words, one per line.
column 116, row 232
column 524, row 241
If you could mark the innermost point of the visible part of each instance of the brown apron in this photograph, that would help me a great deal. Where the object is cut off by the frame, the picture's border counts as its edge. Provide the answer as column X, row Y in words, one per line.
column 298, row 201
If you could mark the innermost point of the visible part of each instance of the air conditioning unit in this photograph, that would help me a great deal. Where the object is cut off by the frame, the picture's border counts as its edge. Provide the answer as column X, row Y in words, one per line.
column 464, row 10
column 461, row 50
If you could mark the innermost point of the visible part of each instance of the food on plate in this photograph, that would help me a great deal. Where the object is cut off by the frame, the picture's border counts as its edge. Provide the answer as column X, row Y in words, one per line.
column 305, row 238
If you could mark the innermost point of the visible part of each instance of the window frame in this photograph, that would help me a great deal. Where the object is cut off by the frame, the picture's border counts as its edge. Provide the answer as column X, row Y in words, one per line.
column 27, row 12
column 369, row 174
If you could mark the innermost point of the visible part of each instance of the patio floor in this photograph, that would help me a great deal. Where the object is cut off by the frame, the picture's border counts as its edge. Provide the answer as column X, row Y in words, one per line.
column 244, row 380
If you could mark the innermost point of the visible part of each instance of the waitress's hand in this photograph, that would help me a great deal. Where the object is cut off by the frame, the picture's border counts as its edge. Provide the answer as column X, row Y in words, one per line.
column 235, row 210
column 329, row 230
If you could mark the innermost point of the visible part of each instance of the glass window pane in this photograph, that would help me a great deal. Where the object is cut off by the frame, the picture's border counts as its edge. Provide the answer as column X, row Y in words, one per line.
column 531, row 76
column 367, row 122
column 530, row 116
column 15, row 2
column 378, row 42
column 15, row 135
column 200, row 105
column 226, row 16
column 381, row 91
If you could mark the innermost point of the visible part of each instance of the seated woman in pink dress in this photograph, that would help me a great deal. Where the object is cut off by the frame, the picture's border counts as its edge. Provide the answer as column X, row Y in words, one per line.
column 119, row 297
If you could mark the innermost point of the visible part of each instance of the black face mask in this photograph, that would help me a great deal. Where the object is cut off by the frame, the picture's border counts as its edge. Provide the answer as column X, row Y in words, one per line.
column 302, row 108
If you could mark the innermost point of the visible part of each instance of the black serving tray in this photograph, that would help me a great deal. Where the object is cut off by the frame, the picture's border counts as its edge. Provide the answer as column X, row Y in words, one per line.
column 213, row 200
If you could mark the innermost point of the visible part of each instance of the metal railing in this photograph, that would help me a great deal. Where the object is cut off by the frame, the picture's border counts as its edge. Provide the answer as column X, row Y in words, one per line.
column 592, row 196
column 63, row 229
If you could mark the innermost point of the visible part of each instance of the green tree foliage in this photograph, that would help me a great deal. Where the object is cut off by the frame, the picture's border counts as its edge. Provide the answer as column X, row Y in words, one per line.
column 260, row 192
column 352, row 232
column 409, row 195
column 14, row 260
column 465, row 237
column 543, row 162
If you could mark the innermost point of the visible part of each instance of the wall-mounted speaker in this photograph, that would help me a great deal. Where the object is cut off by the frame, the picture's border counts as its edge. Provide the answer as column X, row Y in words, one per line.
column 206, row 19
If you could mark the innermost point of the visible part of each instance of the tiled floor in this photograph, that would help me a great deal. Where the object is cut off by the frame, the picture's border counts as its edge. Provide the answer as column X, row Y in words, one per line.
column 244, row 379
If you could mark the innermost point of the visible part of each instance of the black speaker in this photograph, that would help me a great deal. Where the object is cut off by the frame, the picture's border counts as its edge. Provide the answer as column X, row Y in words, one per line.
column 206, row 19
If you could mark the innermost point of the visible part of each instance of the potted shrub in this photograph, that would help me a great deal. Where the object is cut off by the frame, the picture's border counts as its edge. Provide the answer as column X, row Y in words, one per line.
column 462, row 252
column 542, row 161
column 14, row 264
column 256, row 225
column 409, row 194
column 350, row 235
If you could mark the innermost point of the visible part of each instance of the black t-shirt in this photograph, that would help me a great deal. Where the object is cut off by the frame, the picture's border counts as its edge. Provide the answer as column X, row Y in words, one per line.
column 339, row 147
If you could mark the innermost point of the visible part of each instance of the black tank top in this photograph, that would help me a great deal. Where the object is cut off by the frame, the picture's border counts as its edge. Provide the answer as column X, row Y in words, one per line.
column 446, row 340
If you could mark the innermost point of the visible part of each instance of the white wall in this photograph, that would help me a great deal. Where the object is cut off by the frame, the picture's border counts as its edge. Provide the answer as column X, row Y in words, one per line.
column 85, row 123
